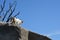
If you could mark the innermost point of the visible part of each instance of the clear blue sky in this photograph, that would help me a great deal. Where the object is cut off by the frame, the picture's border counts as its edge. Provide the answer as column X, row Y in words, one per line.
column 40, row 16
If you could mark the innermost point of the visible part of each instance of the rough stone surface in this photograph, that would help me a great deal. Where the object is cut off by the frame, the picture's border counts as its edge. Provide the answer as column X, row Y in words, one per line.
column 24, row 34
column 15, row 32
column 12, row 32
column 9, row 32
column 35, row 36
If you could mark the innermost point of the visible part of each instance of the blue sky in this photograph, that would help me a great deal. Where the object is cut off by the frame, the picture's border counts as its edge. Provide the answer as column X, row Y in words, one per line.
column 40, row 16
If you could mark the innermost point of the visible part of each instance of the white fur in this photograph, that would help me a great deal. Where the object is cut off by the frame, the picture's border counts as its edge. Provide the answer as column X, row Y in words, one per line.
column 17, row 21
